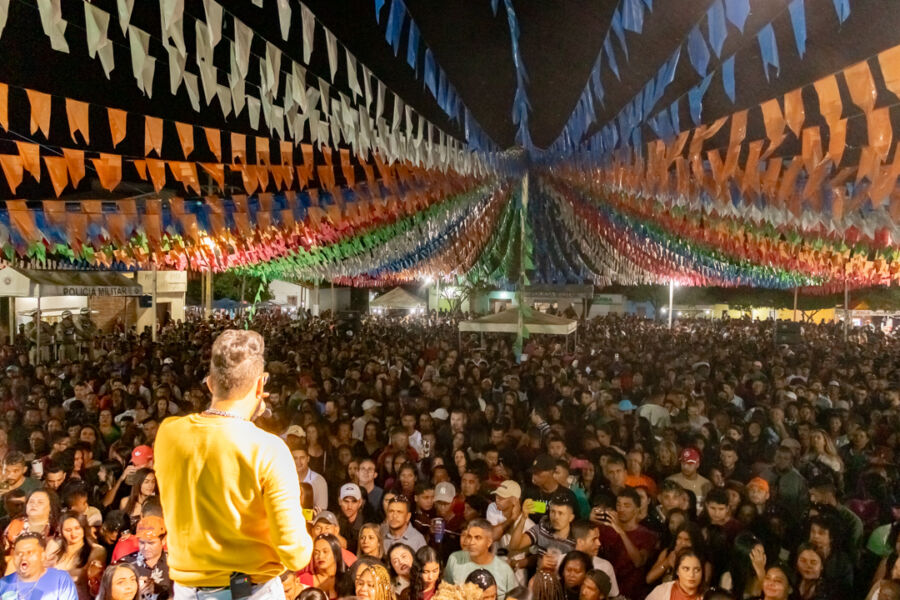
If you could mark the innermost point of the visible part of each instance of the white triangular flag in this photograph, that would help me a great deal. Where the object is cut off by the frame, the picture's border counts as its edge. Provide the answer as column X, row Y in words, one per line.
column 147, row 74
column 176, row 68
column 398, row 112
column 213, row 21
column 171, row 14
column 237, row 84
column 224, row 94
column 298, row 85
column 324, row 96
column 352, row 77
column 277, row 123
column 367, row 84
column 284, row 18
column 309, row 31
column 379, row 102
column 4, row 13
column 331, row 46
column 139, row 41
column 53, row 23
column 190, row 84
column 243, row 35
column 273, row 68
column 209, row 81
column 125, row 7
column 253, row 111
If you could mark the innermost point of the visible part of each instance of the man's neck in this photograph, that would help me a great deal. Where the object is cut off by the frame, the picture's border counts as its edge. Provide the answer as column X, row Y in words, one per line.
column 483, row 559
column 33, row 578
column 630, row 525
column 303, row 474
column 550, row 488
column 398, row 532
column 368, row 486
column 237, row 407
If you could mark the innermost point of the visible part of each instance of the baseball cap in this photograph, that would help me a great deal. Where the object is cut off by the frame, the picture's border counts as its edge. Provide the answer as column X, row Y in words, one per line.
column 141, row 456
column 350, row 490
column 168, row 361
column 759, row 482
column 296, row 431
column 626, row 405
column 150, row 528
column 326, row 515
column 370, row 404
column 508, row 489
column 690, row 456
column 444, row 492
column 544, row 462
column 440, row 414
column 835, row 383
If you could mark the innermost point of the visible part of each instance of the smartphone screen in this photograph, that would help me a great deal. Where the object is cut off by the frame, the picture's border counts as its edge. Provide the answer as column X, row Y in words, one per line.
column 539, row 507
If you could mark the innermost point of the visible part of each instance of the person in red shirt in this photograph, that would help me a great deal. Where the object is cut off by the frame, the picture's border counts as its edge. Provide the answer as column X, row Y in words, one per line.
column 627, row 544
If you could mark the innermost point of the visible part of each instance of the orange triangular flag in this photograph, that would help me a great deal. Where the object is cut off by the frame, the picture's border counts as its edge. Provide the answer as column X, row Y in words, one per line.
column 861, row 85
column 4, row 106
column 31, row 158
column 250, row 177
column 214, row 141
column 238, row 148
column 12, row 170
column 74, row 164
column 794, row 113
column 21, row 217
column 40, row 111
column 118, row 124
column 54, row 212
column 262, row 150
column 262, row 174
column 141, row 167
column 890, row 69
column 157, row 170
column 217, row 172
column 79, row 120
column 109, row 170
column 287, row 153
column 830, row 104
column 837, row 137
column 881, row 133
column 774, row 121
column 59, row 176
column 186, row 136
column 153, row 135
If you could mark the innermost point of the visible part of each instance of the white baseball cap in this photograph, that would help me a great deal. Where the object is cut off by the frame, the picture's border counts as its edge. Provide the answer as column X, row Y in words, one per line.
column 444, row 492
column 350, row 490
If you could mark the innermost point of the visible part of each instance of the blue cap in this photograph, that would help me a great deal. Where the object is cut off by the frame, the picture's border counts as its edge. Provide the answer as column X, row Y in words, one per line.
column 626, row 405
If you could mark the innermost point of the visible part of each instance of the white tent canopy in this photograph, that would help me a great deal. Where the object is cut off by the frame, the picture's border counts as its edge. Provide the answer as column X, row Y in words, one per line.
column 508, row 322
column 397, row 299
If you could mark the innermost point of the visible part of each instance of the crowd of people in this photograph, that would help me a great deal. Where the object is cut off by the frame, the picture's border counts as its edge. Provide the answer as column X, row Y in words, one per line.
column 705, row 461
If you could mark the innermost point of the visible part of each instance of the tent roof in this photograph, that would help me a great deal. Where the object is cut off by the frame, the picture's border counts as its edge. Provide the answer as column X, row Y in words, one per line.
column 397, row 298
column 508, row 322
column 16, row 282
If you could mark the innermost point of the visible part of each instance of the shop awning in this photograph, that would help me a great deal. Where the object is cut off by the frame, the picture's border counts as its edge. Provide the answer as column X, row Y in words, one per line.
column 25, row 283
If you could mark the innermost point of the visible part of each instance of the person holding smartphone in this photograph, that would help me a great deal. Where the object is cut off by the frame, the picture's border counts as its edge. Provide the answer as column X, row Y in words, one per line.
column 553, row 535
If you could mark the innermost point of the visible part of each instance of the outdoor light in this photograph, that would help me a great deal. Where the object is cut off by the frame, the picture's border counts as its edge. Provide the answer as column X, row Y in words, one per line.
column 679, row 313
column 429, row 280
column 707, row 311
column 663, row 310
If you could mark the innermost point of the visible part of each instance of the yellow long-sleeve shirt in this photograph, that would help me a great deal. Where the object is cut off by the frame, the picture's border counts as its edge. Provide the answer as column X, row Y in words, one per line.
column 231, row 501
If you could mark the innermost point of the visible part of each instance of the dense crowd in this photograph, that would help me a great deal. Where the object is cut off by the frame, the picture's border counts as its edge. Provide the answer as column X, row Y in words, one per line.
column 705, row 461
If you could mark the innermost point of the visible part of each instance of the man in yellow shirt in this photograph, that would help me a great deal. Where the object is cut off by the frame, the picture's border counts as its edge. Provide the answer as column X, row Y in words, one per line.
column 229, row 491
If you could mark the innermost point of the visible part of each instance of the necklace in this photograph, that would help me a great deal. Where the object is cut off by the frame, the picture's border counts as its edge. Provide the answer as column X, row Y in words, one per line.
column 27, row 595
column 224, row 413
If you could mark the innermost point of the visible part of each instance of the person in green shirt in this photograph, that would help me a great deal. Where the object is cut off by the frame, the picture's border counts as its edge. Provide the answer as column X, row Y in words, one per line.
column 477, row 539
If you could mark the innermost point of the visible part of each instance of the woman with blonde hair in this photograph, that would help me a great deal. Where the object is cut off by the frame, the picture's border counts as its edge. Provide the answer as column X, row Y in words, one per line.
column 823, row 450
column 373, row 582
column 371, row 541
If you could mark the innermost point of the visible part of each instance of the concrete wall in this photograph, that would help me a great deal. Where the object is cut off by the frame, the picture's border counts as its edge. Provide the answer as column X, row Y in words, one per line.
column 303, row 297
column 170, row 290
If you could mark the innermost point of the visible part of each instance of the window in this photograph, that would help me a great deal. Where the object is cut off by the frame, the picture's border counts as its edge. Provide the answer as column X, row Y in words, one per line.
column 292, row 300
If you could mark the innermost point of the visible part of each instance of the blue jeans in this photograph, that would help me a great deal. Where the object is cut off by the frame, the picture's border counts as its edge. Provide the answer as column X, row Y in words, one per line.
column 270, row 590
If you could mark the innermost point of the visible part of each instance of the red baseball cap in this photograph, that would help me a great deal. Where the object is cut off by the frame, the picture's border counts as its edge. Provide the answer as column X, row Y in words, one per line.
column 690, row 456
column 141, row 456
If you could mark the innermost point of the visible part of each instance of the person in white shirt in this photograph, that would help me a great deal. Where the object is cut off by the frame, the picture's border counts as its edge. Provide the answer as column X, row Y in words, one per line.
column 370, row 407
column 502, row 515
column 587, row 540
column 307, row 475
column 408, row 421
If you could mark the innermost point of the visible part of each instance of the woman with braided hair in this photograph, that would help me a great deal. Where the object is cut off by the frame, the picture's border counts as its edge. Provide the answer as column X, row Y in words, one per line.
column 373, row 582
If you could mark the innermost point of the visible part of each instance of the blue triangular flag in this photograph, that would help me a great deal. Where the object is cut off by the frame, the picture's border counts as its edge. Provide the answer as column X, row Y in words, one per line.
column 695, row 98
column 430, row 75
column 737, row 12
column 379, row 4
column 494, row 5
column 617, row 28
column 728, row 77
column 633, row 15
column 610, row 57
column 798, row 21
column 715, row 16
column 412, row 47
column 396, row 19
column 698, row 51
column 768, row 47
column 649, row 5
column 842, row 8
